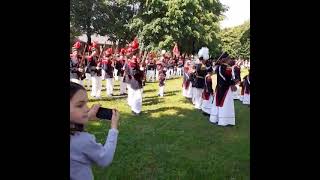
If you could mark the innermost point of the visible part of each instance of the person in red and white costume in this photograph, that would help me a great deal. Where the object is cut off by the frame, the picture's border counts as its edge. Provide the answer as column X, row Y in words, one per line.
column 222, row 111
column 208, row 93
column 180, row 66
column 134, row 77
column 151, row 67
column 236, row 78
column 246, row 89
column 94, row 68
column 122, row 62
column 75, row 70
column 107, row 66
column 200, row 74
column 162, row 77
column 186, row 84
column 135, row 84
column 162, row 58
column 170, row 68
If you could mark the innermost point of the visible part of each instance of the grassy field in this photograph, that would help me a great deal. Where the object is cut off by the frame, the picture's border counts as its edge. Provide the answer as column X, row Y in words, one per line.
column 172, row 140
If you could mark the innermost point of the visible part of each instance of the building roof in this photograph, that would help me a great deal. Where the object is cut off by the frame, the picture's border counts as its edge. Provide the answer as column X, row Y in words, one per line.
column 95, row 38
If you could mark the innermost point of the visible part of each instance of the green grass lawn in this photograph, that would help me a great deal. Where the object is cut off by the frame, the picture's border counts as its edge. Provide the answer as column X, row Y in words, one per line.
column 172, row 140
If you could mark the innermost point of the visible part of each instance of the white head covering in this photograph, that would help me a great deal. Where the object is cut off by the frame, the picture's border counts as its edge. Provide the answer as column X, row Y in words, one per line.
column 204, row 53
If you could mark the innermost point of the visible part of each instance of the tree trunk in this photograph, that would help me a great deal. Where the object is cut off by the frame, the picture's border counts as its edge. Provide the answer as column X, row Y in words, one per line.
column 88, row 38
column 193, row 48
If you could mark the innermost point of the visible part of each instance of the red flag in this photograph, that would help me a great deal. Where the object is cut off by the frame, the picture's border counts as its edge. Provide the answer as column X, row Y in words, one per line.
column 94, row 44
column 122, row 51
column 135, row 43
column 108, row 51
column 129, row 50
column 176, row 50
column 77, row 45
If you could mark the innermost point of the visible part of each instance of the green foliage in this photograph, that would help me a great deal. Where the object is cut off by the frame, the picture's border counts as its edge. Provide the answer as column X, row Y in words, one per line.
column 192, row 24
column 82, row 15
column 117, row 15
column 102, row 17
column 73, row 34
column 159, row 23
column 236, row 41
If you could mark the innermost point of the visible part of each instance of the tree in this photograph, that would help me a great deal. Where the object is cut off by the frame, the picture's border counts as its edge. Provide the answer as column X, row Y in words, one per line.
column 73, row 34
column 190, row 23
column 88, row 16
column 119, row 14
column 236, row 41
column 245, row 44
column 104, row 17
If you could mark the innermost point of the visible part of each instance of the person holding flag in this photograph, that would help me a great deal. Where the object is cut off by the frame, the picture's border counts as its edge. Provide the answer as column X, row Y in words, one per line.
column 134, row 77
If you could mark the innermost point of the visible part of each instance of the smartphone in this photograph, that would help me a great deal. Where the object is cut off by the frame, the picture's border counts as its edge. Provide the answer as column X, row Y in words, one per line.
column 104, row 113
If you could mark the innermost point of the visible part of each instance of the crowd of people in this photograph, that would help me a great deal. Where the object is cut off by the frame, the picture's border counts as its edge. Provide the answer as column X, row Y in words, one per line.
column 90, row 65
column 132, row 68
column 215, row 96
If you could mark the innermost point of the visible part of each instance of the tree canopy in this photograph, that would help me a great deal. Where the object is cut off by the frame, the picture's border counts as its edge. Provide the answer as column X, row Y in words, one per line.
column 158, row 24
column 236, row 41
column 190, row 23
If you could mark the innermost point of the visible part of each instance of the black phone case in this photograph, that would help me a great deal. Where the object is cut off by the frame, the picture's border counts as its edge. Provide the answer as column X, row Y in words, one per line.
column 104, row 113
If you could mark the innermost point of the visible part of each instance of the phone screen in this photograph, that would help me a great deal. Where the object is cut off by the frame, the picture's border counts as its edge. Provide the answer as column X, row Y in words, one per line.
column 104, row 113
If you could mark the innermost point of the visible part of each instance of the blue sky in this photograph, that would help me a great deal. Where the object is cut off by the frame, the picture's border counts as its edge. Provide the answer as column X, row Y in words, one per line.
column 239, row 11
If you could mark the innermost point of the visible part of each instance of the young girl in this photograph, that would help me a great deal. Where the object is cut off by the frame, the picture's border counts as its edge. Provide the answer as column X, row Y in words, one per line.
column 84, row 150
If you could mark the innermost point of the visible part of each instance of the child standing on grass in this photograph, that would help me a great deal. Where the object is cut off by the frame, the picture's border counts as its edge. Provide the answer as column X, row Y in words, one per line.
column 84, row 150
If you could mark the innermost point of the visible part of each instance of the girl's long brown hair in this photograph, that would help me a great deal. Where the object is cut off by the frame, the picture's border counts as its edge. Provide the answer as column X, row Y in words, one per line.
column 74, row 88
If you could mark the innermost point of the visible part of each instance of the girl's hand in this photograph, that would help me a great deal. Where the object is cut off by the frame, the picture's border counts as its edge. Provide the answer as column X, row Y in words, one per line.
column 115, row 119
column 93, row 112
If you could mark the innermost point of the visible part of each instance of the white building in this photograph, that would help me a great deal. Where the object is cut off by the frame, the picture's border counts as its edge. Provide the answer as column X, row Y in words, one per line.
column 95, row 38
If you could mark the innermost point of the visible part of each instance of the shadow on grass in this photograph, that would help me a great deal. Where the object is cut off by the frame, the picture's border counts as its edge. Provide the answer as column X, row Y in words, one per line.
column 152, row 101
column 169, row 93
column 170, row 138
column 178, row 110
column 150, row 82
column 176, row 143
column 149, row 90
column 186, row 100
column 108, row 98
